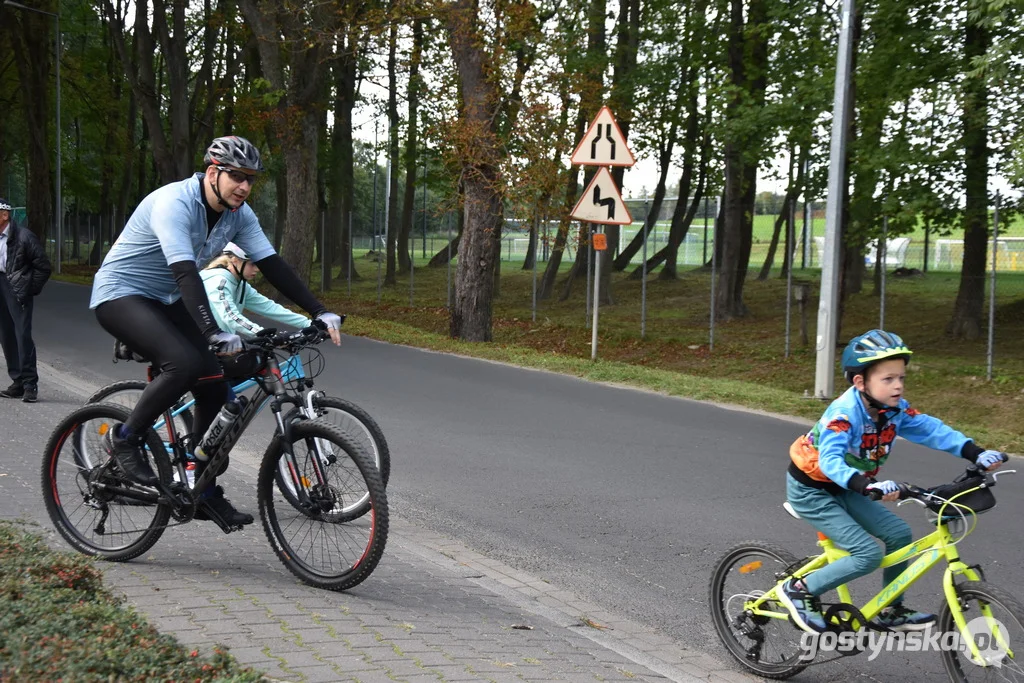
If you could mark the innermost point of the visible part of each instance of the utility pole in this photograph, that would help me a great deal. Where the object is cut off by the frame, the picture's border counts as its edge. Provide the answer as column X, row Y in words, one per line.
column 828, row 305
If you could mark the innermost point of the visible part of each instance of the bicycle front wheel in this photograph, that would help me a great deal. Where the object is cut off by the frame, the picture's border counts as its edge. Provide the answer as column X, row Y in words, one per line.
column 93, row 505
column 995, row 621
column 356, row 424
column 767, row 646
column 314, row 536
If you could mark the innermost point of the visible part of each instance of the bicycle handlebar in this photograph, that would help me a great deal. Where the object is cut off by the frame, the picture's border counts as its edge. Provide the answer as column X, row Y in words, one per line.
column 908, row 490
column 269, row 338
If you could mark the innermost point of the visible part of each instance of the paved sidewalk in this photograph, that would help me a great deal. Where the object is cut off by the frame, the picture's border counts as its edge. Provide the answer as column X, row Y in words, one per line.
column 433, row 610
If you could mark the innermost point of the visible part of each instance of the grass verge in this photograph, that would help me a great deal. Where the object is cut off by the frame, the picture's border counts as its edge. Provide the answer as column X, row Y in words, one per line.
column 60, row 623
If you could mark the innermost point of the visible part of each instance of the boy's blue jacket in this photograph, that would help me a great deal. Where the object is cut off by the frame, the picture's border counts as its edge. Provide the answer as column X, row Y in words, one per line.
column 847, row 442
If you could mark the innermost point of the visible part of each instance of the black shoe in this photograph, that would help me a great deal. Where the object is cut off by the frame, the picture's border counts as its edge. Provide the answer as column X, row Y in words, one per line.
column 219, row 506
column 31, row 395
column 131, row 457
column 14, row 391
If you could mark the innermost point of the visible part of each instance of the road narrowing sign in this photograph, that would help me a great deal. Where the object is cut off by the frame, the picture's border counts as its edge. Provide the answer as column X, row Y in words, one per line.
column 603, row 144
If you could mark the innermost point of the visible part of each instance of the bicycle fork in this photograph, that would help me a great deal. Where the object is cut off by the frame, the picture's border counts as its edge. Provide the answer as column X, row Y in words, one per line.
column 323, row 450
column 302, row 483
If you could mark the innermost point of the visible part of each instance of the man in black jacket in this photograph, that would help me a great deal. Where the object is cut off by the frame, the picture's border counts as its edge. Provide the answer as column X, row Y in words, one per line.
column 24, row 269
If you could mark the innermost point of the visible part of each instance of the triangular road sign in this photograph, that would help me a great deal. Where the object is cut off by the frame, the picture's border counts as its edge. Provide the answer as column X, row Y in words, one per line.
column 601, row 202
column 604, row 144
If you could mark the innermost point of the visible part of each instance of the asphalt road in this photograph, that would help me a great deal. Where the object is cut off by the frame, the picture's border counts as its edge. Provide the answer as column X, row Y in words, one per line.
column 624, row 497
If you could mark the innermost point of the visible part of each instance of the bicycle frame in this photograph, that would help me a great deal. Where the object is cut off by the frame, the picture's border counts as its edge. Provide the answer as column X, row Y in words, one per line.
column 291, row 370
column 931, row 548
column 271, row 382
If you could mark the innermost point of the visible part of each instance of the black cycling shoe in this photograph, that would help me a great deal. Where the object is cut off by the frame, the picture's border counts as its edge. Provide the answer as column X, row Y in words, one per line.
column 130, row 456
column 220, row 507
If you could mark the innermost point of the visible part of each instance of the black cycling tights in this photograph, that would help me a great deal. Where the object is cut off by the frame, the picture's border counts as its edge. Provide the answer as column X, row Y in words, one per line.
column 168, row 336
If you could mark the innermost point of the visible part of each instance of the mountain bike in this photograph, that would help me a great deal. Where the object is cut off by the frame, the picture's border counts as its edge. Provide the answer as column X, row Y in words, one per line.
column 982, row 623
column 345, row 415
column 324, row 512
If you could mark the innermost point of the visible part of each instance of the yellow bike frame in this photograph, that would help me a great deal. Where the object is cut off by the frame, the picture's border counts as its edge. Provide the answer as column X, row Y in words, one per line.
column 932, row 548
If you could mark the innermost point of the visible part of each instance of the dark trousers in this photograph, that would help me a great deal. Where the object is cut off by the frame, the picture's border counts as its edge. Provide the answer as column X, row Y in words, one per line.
column 16, row 336
column 170, row 339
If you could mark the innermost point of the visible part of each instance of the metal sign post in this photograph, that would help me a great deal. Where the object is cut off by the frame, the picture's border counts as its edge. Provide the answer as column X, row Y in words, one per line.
column 602, row 145
column 600, row 242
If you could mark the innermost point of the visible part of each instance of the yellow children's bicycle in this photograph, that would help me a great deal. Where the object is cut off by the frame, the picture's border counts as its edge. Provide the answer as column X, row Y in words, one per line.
column 980, row 629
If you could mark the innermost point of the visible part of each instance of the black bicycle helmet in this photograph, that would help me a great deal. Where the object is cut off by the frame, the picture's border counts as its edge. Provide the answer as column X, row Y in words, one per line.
column 234, row 151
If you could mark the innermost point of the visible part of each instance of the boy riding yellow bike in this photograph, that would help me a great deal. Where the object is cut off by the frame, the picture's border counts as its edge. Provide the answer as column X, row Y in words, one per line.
column 832, row 474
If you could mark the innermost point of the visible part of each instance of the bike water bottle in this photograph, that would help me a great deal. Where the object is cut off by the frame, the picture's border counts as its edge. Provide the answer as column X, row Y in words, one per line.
column 211, row 442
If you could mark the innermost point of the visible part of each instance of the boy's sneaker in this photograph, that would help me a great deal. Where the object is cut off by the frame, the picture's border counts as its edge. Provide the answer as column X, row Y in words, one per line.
column 14, row 391
column 219, row 506
column 31, row 394
column 131, row 457
column 803, row 607
column 900, row 618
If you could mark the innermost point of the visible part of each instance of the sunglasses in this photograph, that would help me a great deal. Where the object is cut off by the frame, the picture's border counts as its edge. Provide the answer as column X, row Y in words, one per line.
column 238, row 176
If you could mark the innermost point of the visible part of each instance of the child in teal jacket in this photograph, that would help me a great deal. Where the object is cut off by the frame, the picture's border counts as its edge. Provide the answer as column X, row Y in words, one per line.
column 225, row 279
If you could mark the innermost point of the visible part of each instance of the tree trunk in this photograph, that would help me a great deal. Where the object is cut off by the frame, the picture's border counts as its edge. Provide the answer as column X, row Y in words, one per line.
column 297, row 70
column 547, row 282
column 966, row 322
column 748, row 62
column 681, row 222
column 178, row 110
column 478, row 150
column 343, row 191
column 591, row 90
column 143, row 81
column 681, row 219
column 392, row 188
column 281, row 216
column 31, row 36
column 411, row 143
column 626, row 255
column 782, row 221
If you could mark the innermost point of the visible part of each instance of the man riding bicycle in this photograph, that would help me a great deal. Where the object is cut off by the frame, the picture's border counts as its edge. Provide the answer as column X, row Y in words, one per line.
column 148, row 294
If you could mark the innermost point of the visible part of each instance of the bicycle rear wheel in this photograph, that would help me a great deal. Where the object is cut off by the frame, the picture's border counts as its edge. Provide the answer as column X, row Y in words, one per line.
column 767, row 646
column 127, row 392
column 995, row 619
column 81, row 483
column 318, row 540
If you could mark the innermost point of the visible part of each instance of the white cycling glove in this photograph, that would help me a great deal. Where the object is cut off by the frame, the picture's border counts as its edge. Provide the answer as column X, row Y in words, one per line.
column 884, row 487
column 225, row 343
column 332, row 320
column 989, row 458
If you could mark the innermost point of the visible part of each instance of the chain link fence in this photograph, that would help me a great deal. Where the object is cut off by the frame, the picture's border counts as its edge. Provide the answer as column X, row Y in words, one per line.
column 909, row 257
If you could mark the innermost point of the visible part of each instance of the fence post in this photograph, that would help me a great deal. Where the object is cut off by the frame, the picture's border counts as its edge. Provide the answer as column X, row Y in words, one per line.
column 590, row 266
column 643, row 279
column 714, row 268
column 787, row 261
column 536, row 243
column 992, row 288
column 882, row 256
column 448, row 274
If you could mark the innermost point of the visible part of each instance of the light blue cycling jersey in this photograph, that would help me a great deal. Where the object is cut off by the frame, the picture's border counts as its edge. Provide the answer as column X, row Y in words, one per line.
column 169, row 226
column 848, row 441
column 229, row 297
